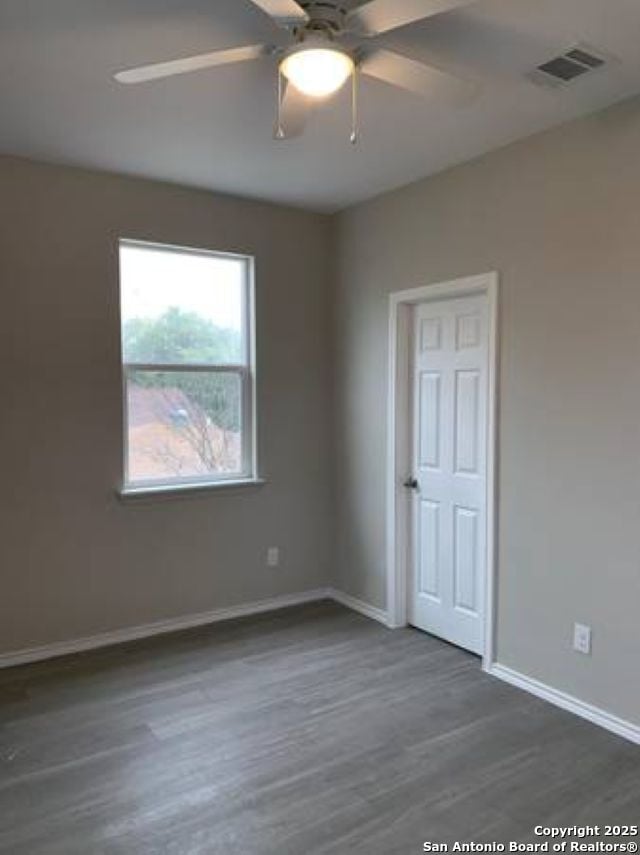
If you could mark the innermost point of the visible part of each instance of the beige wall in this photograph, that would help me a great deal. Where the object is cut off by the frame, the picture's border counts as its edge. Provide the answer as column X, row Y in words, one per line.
column 559, row 217
column 74, row 560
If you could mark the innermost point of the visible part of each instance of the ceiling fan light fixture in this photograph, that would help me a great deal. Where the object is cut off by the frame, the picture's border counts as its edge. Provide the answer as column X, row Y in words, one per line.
column 317, row 72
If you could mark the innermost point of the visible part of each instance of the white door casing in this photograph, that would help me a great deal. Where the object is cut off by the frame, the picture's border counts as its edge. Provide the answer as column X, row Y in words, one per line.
column 447, row 566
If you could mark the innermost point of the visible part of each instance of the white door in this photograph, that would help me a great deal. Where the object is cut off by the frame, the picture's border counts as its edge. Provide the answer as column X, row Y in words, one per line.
column 449, row 538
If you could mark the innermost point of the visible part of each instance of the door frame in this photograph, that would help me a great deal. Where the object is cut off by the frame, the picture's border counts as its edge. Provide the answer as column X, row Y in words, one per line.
column 399, row 443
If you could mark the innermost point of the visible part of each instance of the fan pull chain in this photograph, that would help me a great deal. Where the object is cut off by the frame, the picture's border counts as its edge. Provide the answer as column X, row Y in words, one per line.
column 279, row 131
column 354, row 106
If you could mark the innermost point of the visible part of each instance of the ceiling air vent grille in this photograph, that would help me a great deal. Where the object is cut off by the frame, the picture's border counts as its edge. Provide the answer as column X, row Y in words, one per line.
column 563, row 69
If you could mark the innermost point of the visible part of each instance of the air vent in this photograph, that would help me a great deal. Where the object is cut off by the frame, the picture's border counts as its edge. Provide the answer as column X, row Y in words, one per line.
column 563, row 69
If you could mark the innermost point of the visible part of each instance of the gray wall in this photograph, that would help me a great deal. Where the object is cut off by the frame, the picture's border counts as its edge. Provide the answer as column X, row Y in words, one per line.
column 559, row 217
column 74, row 560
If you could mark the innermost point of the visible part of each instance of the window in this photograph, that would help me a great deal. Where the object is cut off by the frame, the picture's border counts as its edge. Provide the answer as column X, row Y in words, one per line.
column 187, row 352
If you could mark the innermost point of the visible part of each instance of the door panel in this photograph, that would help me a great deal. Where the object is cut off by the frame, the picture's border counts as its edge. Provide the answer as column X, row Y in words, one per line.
column 467, row 385
column 448, row 562
column 429, row 551
column 430, row 334
column 468, row 331
column 465, row 558
column 430, row 419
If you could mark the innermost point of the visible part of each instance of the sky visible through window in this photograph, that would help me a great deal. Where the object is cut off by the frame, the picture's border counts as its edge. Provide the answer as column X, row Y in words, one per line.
column 155, row 279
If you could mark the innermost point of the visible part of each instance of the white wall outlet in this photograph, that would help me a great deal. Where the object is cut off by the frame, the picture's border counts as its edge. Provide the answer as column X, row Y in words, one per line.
column 273, row 556
column 582, row 638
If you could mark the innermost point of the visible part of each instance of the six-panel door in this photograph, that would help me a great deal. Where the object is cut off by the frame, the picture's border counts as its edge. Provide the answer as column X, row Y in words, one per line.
column 448, row 562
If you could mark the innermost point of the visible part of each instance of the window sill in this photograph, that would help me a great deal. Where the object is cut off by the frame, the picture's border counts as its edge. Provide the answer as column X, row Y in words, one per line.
column 138, row 494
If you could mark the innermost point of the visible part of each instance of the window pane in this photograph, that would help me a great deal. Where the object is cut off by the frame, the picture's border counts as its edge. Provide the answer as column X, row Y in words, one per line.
column 183, row 425
column 180, row 306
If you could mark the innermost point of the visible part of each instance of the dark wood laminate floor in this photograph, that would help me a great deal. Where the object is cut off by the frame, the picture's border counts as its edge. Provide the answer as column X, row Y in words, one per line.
column 305, row 732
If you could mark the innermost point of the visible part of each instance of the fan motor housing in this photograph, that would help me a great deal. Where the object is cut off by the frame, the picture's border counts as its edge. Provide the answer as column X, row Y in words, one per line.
column 323, row 14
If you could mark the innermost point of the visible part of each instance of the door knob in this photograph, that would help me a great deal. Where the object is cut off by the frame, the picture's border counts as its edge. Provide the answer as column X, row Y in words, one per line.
column 411, row 484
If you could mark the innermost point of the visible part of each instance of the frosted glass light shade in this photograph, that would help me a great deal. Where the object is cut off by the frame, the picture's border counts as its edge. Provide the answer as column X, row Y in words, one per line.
column 317, row 72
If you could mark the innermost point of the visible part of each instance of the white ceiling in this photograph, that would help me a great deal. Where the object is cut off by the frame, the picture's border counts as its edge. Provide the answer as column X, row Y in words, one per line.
column 213, row 129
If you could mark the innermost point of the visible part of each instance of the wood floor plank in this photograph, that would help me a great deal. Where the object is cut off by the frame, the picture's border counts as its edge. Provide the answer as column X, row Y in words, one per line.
column 311, row 731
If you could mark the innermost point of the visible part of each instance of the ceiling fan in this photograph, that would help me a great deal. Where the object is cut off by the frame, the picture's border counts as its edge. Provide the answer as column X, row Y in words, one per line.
column 328, row 44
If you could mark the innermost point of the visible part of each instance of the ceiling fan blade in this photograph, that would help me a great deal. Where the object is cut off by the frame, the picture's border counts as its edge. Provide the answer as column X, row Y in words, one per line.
column 419, row 78
column 285, row 13
column 294, row 112
column 380, row 16
column 190, row 63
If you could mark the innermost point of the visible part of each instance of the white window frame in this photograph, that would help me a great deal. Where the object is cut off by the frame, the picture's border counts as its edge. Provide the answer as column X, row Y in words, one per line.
column 246, row 371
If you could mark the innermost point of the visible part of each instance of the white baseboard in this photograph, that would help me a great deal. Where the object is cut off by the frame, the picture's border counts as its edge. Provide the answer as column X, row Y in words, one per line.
column 567, row 702
column 147, row 630
column 357, row 605
column 106, row 639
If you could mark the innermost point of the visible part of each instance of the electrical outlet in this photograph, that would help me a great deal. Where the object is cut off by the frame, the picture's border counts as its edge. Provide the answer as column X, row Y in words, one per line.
column 582, row 638
column 273, row 556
